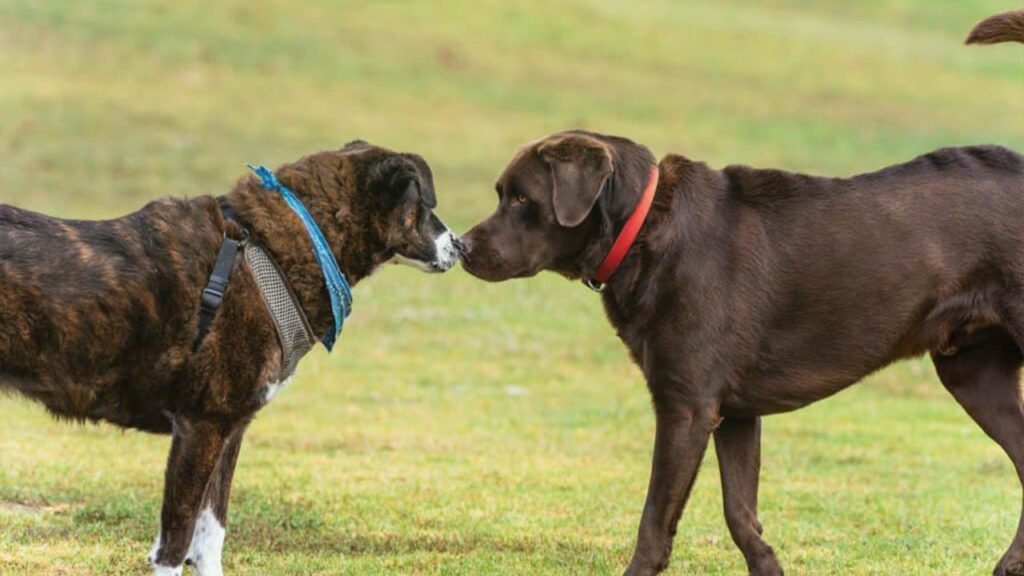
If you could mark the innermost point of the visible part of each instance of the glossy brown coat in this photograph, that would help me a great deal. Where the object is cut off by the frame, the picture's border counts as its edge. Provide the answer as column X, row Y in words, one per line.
column 755, row 291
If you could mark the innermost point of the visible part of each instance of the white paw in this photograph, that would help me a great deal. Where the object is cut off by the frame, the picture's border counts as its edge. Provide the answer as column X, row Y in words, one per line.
column 154, row 549
column 207, row 543
column 159, row 570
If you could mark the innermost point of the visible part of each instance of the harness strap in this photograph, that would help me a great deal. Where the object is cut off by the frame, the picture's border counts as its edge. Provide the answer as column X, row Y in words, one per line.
column 213, row 294
column 227, row 211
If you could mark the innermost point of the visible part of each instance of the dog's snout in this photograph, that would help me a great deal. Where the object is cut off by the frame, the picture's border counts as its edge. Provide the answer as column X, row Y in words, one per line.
column 461, row 245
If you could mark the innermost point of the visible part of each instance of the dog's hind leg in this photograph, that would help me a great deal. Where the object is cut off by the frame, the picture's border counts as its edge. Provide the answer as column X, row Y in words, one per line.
column 204, row 552
column 196, row 450
column 984, row 377
column 738, row 445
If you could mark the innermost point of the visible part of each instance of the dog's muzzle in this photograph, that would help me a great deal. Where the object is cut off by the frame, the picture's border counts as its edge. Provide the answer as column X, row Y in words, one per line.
column 449, row 249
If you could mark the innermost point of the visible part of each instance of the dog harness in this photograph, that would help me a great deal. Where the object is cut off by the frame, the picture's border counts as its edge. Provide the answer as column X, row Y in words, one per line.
column 217, row 285
column 293, row 329
column 294, row 333
column 626, row 236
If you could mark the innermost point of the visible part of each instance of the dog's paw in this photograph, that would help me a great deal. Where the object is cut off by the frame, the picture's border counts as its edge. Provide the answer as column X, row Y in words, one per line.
column 159, row 570
column 154, row 551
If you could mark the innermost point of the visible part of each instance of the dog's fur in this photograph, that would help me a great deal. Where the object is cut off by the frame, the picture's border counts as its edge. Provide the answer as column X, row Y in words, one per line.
column 99, row 318
column 751, row 292
column 1005, row 27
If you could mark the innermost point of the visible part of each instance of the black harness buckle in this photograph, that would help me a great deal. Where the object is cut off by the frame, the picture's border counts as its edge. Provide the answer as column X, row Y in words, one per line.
column 213, row 295
column 212, row 298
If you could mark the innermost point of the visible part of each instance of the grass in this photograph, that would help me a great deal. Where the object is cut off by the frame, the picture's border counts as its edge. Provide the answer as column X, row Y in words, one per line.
column 468, row 428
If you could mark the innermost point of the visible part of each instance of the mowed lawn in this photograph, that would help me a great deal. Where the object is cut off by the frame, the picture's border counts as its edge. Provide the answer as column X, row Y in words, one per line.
column 469, row 428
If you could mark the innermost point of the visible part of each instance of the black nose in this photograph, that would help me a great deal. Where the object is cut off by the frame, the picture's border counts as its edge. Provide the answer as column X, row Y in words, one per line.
column 461, row 246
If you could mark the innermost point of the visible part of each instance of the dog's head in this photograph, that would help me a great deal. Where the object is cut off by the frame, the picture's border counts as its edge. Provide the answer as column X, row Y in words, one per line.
column 560, row 201
column 380, row 205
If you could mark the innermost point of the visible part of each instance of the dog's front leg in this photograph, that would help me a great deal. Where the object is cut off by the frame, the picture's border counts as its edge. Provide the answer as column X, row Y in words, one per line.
column 204, row 552
column 738, row 445
column 195, row 452
column 681, row 437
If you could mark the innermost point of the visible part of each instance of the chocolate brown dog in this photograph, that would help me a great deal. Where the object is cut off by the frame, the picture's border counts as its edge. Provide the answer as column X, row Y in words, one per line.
column 751, row 292
column 100, row 319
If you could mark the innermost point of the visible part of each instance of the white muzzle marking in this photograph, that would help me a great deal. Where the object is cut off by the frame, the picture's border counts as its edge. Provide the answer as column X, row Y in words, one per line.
column 446, row 255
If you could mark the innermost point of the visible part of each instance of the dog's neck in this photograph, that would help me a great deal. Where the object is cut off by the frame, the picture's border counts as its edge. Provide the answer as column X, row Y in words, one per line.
column 272, row 224
column 628, row 297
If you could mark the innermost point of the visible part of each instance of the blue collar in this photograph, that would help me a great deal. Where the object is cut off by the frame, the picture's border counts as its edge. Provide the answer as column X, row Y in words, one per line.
column 337, row 285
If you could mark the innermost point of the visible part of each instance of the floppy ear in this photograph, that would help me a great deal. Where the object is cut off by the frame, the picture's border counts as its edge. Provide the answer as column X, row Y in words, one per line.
column 426, row 180
column 400, row 177
column 580, row 167
column 427, row 194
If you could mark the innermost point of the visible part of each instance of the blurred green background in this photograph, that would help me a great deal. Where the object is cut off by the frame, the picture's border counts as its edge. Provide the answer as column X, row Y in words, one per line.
column 469, row 428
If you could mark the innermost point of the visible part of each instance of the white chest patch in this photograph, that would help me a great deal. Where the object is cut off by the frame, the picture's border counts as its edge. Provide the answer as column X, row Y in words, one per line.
column 272, row 389
column 207, row 543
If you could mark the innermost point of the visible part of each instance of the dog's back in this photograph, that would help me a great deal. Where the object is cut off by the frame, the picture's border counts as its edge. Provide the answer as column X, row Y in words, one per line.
column 78, row 298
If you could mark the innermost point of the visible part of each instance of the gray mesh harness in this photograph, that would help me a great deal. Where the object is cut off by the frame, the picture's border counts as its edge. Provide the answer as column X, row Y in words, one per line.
column 293, row 330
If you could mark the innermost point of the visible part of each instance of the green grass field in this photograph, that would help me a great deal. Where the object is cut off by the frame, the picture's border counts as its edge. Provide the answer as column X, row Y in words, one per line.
column 468, row 428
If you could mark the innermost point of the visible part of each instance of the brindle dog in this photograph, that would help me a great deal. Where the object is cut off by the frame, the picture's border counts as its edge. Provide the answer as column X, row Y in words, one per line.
column 752, row 292
column 100, row 318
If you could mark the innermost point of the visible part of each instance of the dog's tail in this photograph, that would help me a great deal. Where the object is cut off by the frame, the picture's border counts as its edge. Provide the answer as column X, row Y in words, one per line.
column 1005, row 27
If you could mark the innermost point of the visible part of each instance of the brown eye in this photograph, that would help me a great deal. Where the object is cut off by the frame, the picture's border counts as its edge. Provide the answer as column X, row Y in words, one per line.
column 521, row 199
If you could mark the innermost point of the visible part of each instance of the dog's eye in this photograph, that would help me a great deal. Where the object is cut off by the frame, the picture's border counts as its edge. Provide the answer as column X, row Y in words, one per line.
column 520, row 199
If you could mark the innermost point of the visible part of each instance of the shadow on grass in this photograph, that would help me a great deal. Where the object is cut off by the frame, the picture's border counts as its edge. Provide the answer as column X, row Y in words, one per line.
column 368, row 542
column 284, row 527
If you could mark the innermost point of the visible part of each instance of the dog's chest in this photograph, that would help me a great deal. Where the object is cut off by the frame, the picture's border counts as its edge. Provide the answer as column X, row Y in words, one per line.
column 271, row 389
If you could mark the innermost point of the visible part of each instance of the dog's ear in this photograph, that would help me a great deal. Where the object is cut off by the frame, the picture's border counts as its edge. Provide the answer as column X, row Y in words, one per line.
column 426, row 180
column 400, row 178
column 580, row 167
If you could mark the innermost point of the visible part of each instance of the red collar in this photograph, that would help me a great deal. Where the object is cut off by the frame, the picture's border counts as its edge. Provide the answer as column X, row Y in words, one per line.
column 627, row 236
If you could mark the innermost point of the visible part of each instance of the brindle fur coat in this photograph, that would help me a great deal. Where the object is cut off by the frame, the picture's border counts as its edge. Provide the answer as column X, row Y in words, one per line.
column 100, row 317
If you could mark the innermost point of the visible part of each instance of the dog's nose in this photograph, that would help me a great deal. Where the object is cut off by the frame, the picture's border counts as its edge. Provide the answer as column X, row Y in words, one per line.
column 461, row 245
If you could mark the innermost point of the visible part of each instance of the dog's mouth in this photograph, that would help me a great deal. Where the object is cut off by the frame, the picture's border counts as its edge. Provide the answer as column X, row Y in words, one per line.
column 439, row 266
